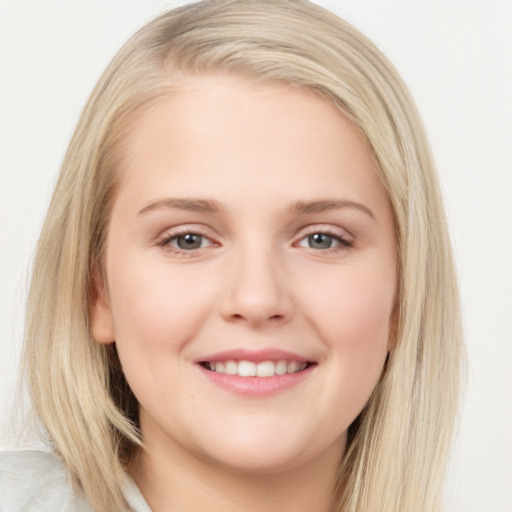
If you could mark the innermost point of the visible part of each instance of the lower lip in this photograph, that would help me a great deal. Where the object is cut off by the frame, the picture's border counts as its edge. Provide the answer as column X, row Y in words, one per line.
column 257, row 386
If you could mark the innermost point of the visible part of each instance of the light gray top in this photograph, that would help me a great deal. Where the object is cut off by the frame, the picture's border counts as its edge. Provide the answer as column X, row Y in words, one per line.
column 35, row 481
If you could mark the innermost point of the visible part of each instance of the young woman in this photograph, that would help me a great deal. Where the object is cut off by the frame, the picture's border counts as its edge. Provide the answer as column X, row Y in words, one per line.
column 243, row 296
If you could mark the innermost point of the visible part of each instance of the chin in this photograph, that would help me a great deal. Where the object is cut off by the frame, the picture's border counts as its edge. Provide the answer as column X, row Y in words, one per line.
column 255, row 451
column 258, row 461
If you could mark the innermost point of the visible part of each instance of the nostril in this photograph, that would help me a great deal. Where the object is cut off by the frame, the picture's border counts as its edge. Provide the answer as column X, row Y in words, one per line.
column 255, row 309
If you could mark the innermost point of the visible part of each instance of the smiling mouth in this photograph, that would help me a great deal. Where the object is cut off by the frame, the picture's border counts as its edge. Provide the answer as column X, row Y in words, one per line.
column 244, row 368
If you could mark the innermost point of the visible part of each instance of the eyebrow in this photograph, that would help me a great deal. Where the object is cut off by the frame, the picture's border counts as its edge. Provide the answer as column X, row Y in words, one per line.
column 210, row 206
column 330, row 204
column 193, row 205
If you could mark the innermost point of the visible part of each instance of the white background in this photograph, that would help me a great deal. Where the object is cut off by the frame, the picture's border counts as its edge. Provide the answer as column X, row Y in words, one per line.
column 456, row 57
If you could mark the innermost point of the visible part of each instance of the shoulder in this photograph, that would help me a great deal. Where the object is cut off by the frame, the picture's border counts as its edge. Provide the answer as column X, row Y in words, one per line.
column 36, row 481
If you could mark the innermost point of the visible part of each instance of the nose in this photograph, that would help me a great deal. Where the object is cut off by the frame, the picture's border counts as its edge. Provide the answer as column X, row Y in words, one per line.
column 258, row 292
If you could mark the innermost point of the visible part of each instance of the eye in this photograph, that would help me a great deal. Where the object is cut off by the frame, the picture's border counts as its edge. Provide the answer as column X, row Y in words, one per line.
column 323, row 241
column 185, row 242
column 190, row 241
column 320, row 241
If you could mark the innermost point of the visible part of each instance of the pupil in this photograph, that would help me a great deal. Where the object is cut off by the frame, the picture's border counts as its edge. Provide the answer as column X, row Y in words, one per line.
column 189, row 241
column 320, row 241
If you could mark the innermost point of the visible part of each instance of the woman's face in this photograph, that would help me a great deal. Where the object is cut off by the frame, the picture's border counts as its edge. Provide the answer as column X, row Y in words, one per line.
column 250, row 235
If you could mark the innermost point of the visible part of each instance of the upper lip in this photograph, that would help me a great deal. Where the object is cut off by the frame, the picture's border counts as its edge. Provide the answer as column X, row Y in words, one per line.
column 257, row 356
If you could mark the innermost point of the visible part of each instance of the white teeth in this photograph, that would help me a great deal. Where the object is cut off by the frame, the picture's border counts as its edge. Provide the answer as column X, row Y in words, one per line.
column 246, row 369
column 231, row 368
column 292, row 367
column 281, row 367
column 266, row 369
column 261, row 369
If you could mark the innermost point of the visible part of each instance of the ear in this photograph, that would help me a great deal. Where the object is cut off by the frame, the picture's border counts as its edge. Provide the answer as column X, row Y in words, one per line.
column 100, row 315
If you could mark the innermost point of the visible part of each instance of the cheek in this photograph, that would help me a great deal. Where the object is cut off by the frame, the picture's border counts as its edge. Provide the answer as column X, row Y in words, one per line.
column 353, row 317
column 157, row 307
column 355, row 303
column 352, row 314
column 157, row 311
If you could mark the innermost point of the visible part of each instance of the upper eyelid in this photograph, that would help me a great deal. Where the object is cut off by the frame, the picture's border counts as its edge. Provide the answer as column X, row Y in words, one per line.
column 184, row 229
column 325, row 228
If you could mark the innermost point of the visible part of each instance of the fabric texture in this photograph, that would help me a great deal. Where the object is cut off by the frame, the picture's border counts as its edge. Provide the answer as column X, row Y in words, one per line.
column 36, row 481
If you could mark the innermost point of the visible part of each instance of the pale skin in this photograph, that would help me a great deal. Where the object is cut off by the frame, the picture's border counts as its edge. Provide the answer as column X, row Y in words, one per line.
column 248, row 217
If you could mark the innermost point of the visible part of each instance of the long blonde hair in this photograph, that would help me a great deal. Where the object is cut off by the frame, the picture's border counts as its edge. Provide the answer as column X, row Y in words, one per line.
column 398, row 446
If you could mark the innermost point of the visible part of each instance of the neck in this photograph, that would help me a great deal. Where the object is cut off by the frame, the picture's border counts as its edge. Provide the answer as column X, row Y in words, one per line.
column 188, row 483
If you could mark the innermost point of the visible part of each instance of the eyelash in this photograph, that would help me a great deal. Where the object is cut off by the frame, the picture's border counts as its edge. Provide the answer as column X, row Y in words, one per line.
column 165, row 241
column 343, row 243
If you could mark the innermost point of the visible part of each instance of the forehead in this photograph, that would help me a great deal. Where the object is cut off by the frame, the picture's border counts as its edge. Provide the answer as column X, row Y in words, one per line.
column 219, row 130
